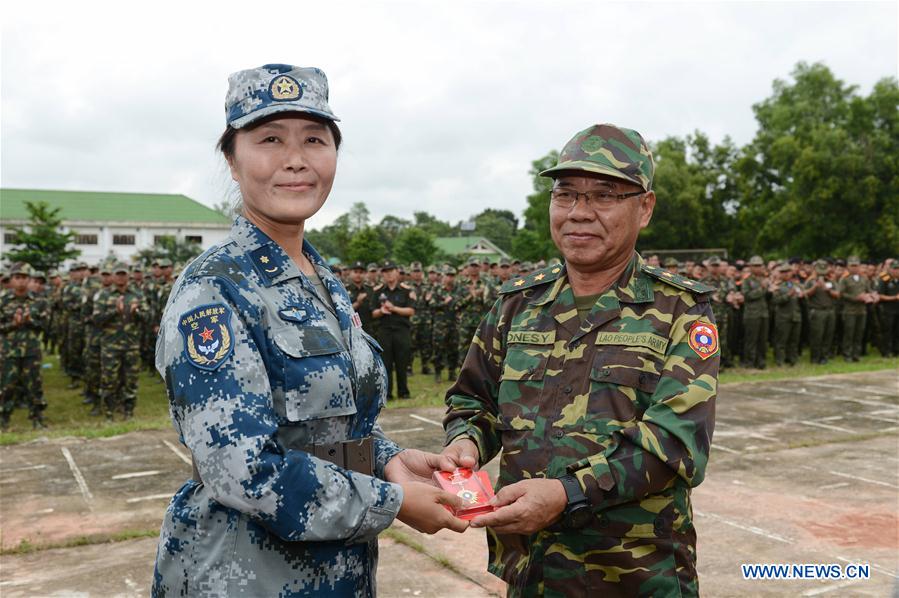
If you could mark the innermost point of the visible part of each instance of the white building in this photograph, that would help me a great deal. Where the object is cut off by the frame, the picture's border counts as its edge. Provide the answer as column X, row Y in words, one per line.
column 115, row 224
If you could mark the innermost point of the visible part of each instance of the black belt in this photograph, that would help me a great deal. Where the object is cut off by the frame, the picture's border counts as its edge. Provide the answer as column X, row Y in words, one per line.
column 356, row 454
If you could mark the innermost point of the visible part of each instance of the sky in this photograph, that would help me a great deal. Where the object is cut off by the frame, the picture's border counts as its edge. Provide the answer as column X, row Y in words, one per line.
column 443, row 106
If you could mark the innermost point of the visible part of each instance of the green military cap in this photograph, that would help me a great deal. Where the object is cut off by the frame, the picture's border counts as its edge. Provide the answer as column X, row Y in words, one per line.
column 821, row 267
column 118, row 267
column 610, row 150
column 372, row 267
column 669, row 262
column 105, row 268
column 893, row 264
column 39, row 274
column 853, row 261
column 53, row 273
column 138, row 267
column 165, row 263
column 415, row 266
column 449, row 270
column 486, row 260
column 21, row 268
column 554, row 262
column 432, row 268
column 714, row 261
column 504, row 262
column 785, row 267
column 756, row 260
column 473, row 261
column 80, row 266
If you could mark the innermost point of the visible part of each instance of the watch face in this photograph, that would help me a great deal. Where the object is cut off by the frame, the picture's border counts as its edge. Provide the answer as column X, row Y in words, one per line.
column 579, row 517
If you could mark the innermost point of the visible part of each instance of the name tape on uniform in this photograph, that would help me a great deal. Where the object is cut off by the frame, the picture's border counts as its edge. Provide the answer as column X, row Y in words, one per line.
column 531, row 337
column 633, row 339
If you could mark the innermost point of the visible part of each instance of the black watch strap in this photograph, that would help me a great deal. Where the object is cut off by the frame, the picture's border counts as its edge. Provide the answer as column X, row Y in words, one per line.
column 573, row 490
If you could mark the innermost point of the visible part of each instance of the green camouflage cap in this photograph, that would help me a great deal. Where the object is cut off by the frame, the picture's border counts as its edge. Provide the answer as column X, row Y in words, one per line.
column 21, row 268
column 756, row 260
column 138, row 267
column 415, row 266
column 372, row 267
column 714, row 261
column 609, row 150
column 53, row 273
column 504, row 261
column 669, row 262
column 165, row 263
column 106, row 268
column 893, row 264
column 853, row 261
column 474, row 261
column 39, row 274
column 785, row 267
column 120, row 267
column 821, row 267
column 449, row 270
column 432, row 269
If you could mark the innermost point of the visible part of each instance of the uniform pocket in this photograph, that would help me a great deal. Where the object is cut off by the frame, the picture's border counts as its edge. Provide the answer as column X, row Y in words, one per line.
column 525, row 363
column 316, row 373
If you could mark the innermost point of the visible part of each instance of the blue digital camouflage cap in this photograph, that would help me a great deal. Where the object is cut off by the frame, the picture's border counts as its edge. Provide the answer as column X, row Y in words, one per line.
column 272, row 88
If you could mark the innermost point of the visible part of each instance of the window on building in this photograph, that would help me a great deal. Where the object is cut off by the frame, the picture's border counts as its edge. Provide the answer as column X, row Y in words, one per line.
column 9, row 238
column 83, row 239
column 123, row 239
column 160, row 239
column 194, row 239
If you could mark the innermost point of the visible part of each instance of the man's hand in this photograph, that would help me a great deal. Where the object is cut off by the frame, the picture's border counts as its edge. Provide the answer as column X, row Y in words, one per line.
column 120, row 304
column 17, row 319
column 412, row 465
column 462, row 452
column 423, row 509
column 525, row 507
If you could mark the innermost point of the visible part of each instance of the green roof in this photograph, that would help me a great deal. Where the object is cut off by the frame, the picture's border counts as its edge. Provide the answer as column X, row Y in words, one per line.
column 80, row 206
column 460, row 245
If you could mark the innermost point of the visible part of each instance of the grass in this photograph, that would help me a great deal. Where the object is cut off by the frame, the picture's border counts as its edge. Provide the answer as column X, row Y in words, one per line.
column 67, row 416
column 27, row 547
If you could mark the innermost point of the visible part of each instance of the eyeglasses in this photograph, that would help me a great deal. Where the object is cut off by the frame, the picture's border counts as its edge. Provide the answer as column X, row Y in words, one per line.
column 566, row 198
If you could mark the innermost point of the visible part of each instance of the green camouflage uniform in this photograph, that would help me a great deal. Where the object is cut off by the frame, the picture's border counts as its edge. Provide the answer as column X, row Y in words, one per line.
column 821, row 316
column 120, row 350
column 622, row 401
column 723, row 286
column 889, row 311
column 93, row 342
column 470, row 308
column 442, row 306
column 422, row 327
column 72, row 298
column 20, row 347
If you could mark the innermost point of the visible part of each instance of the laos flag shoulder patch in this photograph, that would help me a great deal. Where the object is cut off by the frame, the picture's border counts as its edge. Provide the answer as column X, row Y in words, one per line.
column 703, row 339
column 208, row 340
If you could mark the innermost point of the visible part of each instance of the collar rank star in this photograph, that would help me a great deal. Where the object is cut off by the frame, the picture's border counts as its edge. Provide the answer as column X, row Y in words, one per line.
column 208, row 340
column 703, row 339
column 268, row 264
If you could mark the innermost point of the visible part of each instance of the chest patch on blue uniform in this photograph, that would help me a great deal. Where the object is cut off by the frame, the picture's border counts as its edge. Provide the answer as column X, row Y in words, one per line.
column 208, row 340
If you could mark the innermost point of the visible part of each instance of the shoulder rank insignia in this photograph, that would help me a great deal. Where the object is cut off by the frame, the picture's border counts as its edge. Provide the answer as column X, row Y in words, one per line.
column 678, row 281
column 266, row 262
column 543, row 276
column 703, row 339
column 208, row 340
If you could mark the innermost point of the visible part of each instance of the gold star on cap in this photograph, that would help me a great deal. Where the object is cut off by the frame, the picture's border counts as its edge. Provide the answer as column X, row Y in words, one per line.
column 540, row 276
column 556, row 270
column 518, row 283
column 285, row 88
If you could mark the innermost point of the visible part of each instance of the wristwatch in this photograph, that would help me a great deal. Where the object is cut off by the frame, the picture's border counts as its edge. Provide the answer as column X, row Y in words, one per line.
column 577, row 512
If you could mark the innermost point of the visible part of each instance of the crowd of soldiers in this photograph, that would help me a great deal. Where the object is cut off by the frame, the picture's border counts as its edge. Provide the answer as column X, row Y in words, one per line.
column 101, row 320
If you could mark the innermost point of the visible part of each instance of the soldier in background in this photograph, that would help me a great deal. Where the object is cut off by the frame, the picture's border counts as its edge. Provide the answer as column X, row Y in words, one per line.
column 94, row 340
column 421, row 321
column 441, row 300
column 855, row 293
column 393, row 305
column 821, row 296
column 57, row 317
column 22, row 317
column 470, row 306
column 785, row 295
column 72, row 299
column 671, row 265
column 721, row 298
column 888, row 291
column 755, row 315
column 118, row 310
column 360, row 295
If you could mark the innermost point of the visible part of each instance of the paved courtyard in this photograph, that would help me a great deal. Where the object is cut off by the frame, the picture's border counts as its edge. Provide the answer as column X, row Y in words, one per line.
column 802, row 471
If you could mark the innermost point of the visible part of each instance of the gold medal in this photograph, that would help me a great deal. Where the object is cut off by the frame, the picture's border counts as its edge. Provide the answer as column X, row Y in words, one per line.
column 469, row 496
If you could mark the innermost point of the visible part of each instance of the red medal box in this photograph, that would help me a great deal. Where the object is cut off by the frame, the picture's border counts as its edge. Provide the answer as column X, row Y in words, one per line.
column 473, row 487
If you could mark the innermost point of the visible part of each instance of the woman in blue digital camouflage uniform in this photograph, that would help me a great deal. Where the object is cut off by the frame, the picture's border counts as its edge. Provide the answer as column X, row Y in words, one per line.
column 274, row 386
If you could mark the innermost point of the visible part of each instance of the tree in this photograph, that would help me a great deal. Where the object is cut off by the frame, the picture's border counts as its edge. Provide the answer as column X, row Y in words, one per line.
column 42, row 244
column 414, row 245
column 366, row 246
column 358, row 216
column 169, row 247
column 430, row 224
column 332, row 240
column 533, row 241
column 499, row 226
column 821, row 175
column 389, row 228
column 225, row 208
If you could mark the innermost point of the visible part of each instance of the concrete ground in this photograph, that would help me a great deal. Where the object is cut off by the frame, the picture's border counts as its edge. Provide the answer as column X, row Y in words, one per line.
column 802, row 471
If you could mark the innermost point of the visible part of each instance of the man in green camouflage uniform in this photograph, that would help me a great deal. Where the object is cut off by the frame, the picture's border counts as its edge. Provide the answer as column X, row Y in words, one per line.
column 755, row 315
column 855, row 293
column 888, row 290
column 821, row 295
column 787, row 316
column 22, row 317
column 117, row 312
column 72, row 299
column 724, row 291
column 421, row 321
column 441, row 300
column 597, row 380
column 94, row 338
column 470, row 306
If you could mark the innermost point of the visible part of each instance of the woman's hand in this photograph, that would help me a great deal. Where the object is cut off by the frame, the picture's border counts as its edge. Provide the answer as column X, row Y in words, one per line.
column 412, row 465
column 423, row 509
